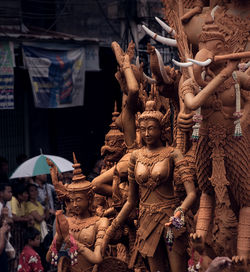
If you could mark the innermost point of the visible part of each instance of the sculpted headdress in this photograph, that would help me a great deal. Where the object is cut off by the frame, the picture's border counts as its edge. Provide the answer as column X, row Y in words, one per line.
column 114, row 131
column 78, row 184
column 210, row 31
column 151, row 113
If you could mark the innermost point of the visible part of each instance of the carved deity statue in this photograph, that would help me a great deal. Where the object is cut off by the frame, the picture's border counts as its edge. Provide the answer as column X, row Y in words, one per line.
column 79, row 234
column 218, row 95
column 114, row 147
column 130, row 79
column 151, row 171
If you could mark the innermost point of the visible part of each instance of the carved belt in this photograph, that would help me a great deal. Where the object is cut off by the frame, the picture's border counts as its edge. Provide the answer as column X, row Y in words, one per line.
column 170, row 203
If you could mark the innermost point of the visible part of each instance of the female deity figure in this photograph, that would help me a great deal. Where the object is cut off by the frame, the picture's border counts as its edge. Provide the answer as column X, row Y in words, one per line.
column 151, row 170
column 82, row 233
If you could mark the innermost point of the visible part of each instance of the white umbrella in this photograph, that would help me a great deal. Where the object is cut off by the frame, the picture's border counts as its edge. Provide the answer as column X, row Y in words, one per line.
column 38, row 166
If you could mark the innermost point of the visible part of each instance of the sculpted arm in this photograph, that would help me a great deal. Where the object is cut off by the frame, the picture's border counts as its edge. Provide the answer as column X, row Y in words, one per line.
column 132, row 193
column 204, row 216
column 126, row 120
column 102, row 184
column 187, row 179
column 193, row 102
column 130, row 203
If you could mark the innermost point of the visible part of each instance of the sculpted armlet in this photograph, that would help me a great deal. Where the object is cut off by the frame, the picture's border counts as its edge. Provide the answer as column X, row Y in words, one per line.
column 100, row 235
column 188, row 86
column 131, row 167
column 244, row 231
column 205, row 213
column 184, row 171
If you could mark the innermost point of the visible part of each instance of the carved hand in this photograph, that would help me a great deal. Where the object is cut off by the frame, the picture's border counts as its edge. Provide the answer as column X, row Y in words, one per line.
column 231, row 66
column 185, row 121
column 62, row 226
column 176, row 215
column 198, row 242
column 239, row 263
column 53, row 170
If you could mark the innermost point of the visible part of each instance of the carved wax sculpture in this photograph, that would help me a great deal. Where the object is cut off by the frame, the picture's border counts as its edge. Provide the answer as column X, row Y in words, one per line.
column 151, row 181
column 81, row 234
column 231, row 16
column 231, row 157
column 114, row 182
column 129, row 77
column 218, row 95
column 114, row 147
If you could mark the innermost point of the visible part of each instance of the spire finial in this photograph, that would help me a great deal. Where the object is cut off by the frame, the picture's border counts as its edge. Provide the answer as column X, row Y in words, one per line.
column 74, row 158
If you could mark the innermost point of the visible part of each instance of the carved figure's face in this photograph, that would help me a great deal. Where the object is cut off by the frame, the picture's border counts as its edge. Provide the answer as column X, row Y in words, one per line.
column 216, row 47
column 113, row 149
column 150, row 132
column 208, row 50
column 79, row 202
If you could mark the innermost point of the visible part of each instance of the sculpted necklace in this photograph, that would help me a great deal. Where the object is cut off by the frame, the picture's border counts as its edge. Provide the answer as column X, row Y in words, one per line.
column 76, row 224
column 151, row 157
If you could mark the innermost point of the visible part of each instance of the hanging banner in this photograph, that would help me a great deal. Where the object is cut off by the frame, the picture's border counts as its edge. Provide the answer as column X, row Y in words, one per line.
column 92, row 58
column 7, row 62
column 57, row 76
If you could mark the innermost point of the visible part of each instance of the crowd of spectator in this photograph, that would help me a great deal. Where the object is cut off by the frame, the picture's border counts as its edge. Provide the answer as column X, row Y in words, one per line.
column 27, row 213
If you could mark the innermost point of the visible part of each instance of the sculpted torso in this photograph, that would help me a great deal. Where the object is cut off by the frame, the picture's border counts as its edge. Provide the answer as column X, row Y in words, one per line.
column 158, row 176
column 220, row 106
column 86, row 237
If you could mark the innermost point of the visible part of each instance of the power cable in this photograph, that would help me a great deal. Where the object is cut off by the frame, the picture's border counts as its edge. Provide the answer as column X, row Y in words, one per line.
column 107, row 19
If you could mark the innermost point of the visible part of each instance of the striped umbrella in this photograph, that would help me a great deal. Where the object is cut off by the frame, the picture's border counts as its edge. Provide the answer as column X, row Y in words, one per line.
column 38, row 166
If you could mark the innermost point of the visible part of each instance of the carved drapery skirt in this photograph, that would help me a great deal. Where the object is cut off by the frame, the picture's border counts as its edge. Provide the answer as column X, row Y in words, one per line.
column 152, row 219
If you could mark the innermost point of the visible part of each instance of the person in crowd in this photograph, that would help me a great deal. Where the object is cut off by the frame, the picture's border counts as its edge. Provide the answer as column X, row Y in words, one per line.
column 4, row 231
column 40, row 215
column 6, row 216
column 67, row 177
column 46, row 193
column 30, row 260
column 19, row 202
column 35, row 208
column 20, row 218
column 5, row 197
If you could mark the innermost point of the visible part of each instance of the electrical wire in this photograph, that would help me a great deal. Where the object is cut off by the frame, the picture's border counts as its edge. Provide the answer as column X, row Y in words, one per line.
column 58, row 17
column 107, row 19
